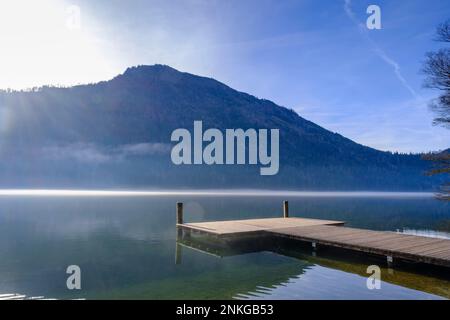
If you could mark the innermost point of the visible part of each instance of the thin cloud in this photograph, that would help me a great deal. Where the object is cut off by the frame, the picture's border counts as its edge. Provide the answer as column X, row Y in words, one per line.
column 91, row 153
column 378, row 51
column 143, row 149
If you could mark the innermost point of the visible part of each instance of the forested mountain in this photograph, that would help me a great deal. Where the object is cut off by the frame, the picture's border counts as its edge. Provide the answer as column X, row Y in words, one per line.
column 116, row 134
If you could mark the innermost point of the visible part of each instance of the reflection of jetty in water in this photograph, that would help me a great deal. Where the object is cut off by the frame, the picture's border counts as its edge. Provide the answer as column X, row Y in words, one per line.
column 434, row 280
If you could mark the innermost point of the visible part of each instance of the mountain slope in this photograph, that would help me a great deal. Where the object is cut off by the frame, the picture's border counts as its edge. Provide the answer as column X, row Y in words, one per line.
column 117, row 134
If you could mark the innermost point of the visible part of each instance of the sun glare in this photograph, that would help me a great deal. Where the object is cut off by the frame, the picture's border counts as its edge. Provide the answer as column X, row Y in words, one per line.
column 48, row 43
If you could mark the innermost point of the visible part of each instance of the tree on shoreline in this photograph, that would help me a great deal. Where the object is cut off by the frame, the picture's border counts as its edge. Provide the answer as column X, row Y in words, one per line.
column 437, row 70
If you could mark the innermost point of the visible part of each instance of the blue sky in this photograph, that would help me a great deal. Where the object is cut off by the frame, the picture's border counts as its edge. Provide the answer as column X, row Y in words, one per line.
column 311, row 56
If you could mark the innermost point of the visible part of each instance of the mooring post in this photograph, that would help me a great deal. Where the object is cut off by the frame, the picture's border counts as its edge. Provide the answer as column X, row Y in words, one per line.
column 179, row 212
column 286, row 209
column 390, row 261
column 179, row 220
column 178, row 253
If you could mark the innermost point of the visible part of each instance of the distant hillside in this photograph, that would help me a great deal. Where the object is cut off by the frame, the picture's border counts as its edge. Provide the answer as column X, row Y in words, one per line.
column 117, row 134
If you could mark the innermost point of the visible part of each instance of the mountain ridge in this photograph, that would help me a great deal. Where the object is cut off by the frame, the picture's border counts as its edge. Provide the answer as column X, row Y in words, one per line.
column 143, row 105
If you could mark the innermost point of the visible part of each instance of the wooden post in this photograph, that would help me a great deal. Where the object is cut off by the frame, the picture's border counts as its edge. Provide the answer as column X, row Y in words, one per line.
column 390, row 261
column 179, row 233
column 286, row 209
column 179, row 212
column 178, row 249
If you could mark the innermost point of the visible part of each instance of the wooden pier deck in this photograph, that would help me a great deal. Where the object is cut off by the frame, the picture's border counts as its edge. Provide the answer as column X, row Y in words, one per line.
column 390, row 244
column 331, row 233
column 244, row 227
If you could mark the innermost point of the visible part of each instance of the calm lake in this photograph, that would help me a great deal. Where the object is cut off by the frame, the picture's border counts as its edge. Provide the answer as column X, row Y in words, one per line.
column 125, row 246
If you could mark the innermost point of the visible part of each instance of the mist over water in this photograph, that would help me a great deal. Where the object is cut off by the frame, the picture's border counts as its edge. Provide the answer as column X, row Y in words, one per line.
column 211, row 192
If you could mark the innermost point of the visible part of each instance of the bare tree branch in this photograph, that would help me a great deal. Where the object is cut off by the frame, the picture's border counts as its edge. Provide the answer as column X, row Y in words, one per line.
column 443, row 32
column 437, row 70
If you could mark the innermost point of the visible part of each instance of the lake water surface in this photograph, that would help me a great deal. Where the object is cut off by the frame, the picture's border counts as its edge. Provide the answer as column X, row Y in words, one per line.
column 125, row 246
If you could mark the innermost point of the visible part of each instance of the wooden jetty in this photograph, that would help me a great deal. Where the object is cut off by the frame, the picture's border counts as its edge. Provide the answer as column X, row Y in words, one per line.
column 391, row 245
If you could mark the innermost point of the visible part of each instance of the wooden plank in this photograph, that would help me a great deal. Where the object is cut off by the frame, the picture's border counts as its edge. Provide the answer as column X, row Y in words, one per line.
column 442, row 255
column 392, row 242
column 422, row 246
column 222, row 229
column 431, row 251
column 373, row 240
